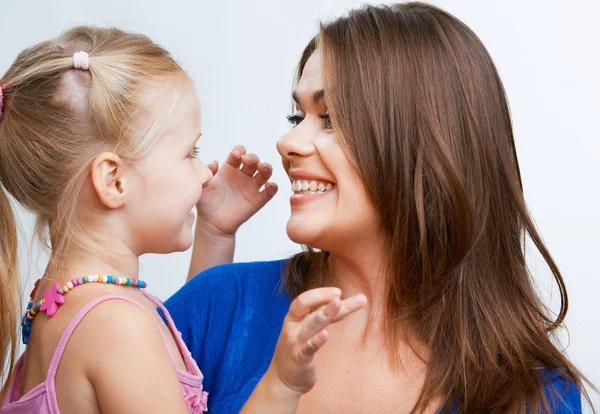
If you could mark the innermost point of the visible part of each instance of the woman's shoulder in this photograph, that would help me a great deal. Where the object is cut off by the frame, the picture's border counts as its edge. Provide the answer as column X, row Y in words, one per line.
column 246, row 278
column 563, row 394
column 223, row 290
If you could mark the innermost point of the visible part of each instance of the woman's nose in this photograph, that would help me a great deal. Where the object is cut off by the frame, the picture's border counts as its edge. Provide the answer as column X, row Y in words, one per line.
column 296, row 143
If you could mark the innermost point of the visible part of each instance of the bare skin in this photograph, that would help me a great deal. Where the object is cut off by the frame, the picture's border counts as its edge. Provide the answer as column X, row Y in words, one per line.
column 354, row 371
column 145, row 207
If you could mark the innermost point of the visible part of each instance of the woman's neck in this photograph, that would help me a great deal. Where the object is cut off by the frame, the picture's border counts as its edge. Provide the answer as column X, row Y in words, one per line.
column 362, row 270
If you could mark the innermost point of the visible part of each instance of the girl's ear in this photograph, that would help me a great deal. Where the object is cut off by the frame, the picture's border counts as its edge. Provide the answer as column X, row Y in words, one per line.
column 108, row 179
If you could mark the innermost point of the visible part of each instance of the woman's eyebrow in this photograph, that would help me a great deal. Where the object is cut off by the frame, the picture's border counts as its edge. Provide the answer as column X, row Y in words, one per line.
column 317, row 96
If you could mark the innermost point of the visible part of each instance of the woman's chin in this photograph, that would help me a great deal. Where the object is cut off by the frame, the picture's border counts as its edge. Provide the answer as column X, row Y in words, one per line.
column 301, row 234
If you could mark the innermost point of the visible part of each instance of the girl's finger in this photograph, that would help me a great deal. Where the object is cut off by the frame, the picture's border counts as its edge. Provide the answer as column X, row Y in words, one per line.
column 264, row 173
column 235, row 156
column 318, row 320
column 213, row 167
column 269, row 192
column 249, row 162
column 311, row 299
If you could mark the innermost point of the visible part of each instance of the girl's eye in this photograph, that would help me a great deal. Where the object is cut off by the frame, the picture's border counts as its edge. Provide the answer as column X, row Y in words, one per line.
column 194, row 152
column 325, row 117
column 294, row 120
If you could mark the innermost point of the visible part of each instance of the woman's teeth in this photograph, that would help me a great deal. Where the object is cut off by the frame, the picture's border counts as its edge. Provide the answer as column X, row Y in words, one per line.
column 311, row 187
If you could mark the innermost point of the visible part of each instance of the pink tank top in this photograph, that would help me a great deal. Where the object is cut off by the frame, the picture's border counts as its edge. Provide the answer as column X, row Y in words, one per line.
column 42, row 398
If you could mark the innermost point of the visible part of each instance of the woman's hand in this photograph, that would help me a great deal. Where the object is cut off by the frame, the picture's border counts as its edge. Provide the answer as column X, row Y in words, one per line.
column 304, row 333
column 293, row 368
column 234, row 194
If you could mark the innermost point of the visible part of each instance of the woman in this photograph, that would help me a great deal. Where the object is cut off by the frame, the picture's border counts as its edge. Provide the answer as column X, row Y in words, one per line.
column 407, row 189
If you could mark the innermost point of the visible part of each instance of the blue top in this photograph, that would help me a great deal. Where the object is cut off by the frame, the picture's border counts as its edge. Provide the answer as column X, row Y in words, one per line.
column 230, row 317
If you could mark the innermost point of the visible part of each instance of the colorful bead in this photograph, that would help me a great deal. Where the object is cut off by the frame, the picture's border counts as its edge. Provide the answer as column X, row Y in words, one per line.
column 54, row 297
column 53, row 300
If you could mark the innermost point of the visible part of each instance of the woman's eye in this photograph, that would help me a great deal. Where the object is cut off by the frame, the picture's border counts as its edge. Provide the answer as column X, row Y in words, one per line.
column 294, row 120
column 327, row 119
column 194, row 152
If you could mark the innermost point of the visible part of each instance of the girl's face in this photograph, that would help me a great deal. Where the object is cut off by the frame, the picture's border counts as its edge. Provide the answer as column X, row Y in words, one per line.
column 168, row 180
column 331, row 208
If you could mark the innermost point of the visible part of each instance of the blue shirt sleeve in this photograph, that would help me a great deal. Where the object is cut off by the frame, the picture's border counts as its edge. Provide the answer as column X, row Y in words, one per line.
column 563, row 395
column 230, row 317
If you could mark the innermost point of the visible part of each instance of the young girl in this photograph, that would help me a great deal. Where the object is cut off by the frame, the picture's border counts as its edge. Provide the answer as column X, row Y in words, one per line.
column 97, row 138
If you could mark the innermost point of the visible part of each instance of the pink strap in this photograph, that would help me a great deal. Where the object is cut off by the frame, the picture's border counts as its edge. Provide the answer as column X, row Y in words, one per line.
column 60, row 349
column 190, row 364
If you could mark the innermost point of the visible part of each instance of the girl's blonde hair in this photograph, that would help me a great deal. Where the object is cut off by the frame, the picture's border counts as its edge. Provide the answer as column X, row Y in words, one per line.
column 56, row 120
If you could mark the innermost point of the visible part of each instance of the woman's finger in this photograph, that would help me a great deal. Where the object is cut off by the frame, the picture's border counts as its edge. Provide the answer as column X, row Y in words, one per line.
column 311, row 299
column 318, row 320
column 349, row 306
column 314, row 344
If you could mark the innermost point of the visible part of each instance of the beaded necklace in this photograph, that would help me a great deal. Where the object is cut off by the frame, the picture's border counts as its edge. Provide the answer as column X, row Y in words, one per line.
column 54, row 297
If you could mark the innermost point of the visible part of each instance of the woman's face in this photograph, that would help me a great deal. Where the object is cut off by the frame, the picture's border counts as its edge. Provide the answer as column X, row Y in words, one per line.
column 330, row 207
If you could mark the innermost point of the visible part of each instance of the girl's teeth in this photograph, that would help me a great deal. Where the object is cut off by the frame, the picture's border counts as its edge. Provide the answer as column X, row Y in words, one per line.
column 321, row 187
column 328, row 187
column 312, row 186
column 305, row 185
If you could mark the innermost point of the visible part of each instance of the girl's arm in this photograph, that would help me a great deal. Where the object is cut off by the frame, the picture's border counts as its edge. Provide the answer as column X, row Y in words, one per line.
column 127, row 362
column 293, row 368
column 230, row 199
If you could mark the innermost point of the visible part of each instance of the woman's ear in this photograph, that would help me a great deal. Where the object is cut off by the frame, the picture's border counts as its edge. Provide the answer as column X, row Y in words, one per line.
column 108, row 179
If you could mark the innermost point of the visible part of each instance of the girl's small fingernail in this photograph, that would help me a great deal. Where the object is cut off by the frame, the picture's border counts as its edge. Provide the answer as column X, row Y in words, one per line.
column 361, row 299
column 336, row 291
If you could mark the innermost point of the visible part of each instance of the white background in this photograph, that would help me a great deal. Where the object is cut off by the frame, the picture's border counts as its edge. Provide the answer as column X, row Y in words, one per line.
column 242, row 55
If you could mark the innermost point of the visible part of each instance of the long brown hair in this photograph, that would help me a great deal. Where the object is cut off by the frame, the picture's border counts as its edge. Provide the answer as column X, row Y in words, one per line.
column 56, row 121
column 418, row 104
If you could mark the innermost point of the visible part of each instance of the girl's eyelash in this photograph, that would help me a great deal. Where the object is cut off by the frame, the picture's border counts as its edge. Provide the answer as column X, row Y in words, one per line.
column 194, row 152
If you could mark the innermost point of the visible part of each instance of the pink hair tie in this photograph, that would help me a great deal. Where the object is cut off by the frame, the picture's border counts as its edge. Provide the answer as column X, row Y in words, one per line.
column 81, row 60
column 1, row 102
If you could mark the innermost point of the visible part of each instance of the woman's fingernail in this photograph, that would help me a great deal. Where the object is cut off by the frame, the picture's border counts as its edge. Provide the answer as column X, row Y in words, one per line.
column 336, row 291
column 361, row 299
